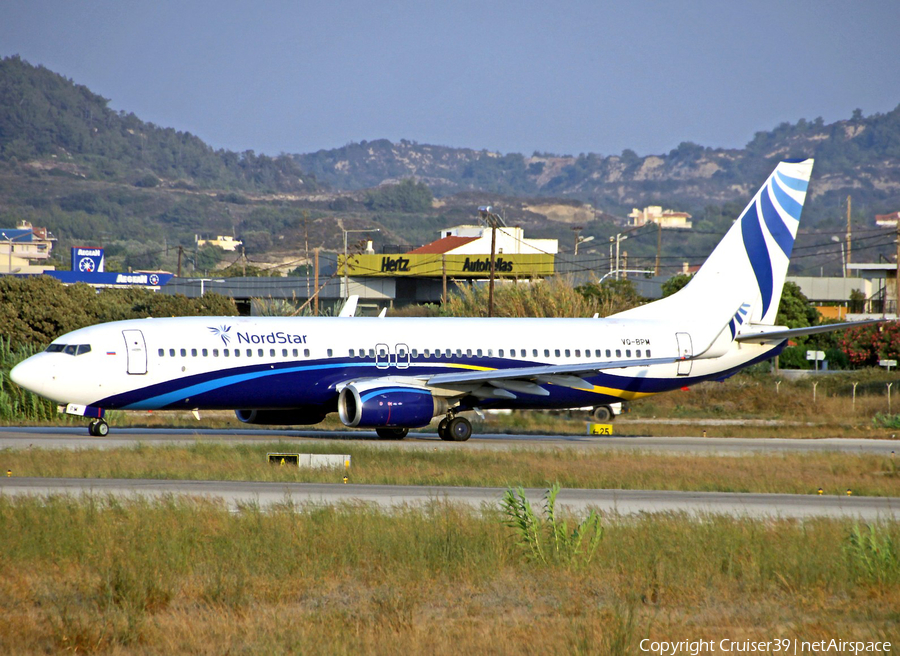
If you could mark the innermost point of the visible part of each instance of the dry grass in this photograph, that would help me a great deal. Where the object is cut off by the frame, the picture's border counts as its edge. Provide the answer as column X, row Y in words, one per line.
column 797, row 473
column 101, row 576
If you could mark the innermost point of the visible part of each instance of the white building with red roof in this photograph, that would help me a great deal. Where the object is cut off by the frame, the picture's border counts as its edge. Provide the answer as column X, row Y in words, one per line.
column 476, row 240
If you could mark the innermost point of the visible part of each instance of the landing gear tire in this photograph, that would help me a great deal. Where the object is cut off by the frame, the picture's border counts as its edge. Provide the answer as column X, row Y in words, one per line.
column 392, row 433
column 459, row 429
column 98, row 428
column 602, row 414
column 442, row 429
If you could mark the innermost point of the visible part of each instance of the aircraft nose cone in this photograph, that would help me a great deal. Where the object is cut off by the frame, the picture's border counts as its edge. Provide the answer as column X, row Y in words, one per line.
column 27, row 374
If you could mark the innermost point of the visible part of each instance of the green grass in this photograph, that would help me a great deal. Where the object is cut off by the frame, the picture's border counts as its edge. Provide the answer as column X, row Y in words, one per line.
column 798, row 473
column 97, row 575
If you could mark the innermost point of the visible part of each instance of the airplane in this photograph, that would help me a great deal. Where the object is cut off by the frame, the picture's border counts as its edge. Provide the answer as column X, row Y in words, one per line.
column 394, row 374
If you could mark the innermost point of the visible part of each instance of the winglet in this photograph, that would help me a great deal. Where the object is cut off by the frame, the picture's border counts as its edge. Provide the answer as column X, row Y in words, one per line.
column 349, row 309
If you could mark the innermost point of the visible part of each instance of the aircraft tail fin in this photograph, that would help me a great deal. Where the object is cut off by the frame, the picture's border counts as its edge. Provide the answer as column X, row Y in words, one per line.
column 748, row 267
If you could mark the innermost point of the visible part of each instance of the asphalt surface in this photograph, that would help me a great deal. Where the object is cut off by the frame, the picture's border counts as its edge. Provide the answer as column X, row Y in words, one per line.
column 69, row 437
column 236, row 494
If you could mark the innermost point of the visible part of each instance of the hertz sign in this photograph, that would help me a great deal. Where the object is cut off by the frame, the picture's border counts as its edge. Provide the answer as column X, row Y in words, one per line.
column 457, row 266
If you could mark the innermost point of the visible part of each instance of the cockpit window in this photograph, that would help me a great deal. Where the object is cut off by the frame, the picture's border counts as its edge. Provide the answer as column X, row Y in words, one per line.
column 69, row 349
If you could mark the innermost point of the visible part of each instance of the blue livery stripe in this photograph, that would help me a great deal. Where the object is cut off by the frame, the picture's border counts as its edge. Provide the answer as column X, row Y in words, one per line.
column 163, row 400
column 787, row 203
column 758, row 253
column 793, row 183
column 775, row 224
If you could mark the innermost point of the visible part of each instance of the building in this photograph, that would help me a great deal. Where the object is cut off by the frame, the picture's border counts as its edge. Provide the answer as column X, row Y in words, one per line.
column 23, row 249
column 476, row 240
column 887, row 220
column 663, row 218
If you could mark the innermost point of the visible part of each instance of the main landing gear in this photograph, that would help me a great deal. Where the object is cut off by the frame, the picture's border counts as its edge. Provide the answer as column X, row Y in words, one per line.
column 454, row 429
column 98, row 428
column 392, row 433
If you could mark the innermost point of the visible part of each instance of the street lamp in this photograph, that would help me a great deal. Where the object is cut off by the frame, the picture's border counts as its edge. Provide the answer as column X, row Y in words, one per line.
column 346, row 293
column 843, row 255
column 9, row 242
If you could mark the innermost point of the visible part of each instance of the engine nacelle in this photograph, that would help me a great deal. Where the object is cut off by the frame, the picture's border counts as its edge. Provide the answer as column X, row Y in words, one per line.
column 382, row 404
column 291, row 417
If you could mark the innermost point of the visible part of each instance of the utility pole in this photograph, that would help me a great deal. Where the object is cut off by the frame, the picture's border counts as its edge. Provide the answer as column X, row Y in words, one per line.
column 658, row 246
column 848, row 232
column 491, row 283
column 316, row 304
column 444, row 276
column 897, row 302
column 180, row 253
column 493, row 220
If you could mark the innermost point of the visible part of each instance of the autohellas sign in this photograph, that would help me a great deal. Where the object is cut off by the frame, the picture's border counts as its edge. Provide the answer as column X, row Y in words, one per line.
column 453, row 265
column 87, row 259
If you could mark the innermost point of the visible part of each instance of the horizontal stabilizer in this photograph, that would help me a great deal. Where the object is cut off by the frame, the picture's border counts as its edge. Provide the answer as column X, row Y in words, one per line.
column 759, row 334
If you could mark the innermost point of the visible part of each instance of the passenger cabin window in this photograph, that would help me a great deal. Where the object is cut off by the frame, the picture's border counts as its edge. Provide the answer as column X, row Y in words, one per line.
column 534, row 352
column 184, row 353
column 204, row 353
column 638, row 353
column 260, row 352
column 295, row 352
column 546, row 353
column 237, row 353
column 306, row 353
column 162, row 352
column 271, row 353
column 627, row 353
column 568, row 353
column 577, row 353
column 647, row 353
column 215, row 353
column 618, row 353
column 500, row 352
column 225, row 352
column 351, row 353
column 330, row 352
column 556, row 352
column 608, row 353
column 172, row 353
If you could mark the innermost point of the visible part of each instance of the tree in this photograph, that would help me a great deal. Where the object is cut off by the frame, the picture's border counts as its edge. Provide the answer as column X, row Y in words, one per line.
column 794, row 310
column 675, row 283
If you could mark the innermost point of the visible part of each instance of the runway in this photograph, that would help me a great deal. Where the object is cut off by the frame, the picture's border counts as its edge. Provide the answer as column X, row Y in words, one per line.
column 236, row 494
column 69, row 437
column 615, row 502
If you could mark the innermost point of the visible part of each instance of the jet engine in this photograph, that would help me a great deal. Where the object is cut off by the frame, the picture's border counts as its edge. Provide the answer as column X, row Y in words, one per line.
column 380, row 403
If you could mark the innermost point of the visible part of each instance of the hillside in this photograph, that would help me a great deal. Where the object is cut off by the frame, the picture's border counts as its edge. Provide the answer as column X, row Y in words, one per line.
column 100, row 177
column 48, row 122
column 860, row 155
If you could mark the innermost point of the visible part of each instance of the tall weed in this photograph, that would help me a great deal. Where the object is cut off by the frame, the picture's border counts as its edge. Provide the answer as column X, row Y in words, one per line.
column 548, row 539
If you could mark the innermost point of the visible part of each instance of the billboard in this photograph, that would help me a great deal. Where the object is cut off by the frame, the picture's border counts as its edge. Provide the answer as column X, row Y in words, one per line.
column 87, row 259
column 455, row 265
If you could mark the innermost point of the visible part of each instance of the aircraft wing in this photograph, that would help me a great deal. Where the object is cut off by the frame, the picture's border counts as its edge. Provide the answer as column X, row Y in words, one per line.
column 759, row 334
column 566, row 374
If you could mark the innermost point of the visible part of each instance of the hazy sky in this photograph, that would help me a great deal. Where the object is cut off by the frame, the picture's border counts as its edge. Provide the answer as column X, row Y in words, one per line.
column 515, row 76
